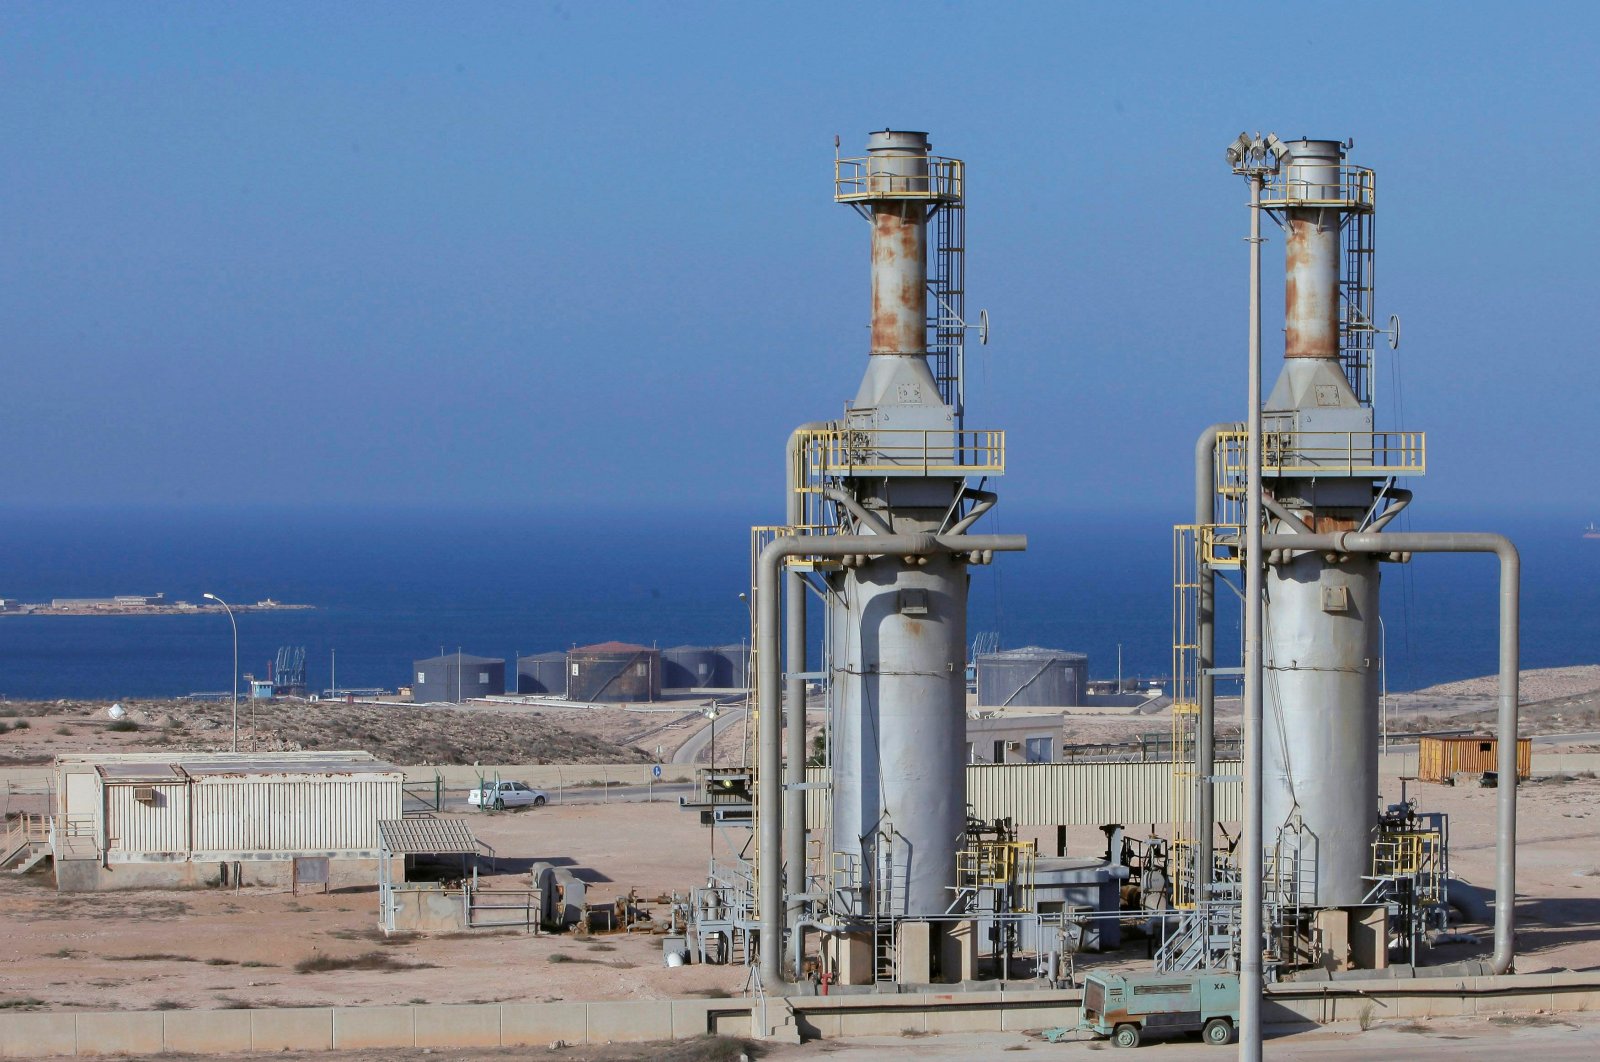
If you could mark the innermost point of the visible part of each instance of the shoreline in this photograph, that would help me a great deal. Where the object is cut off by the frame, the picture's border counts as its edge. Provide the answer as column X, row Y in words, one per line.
column 147, row 610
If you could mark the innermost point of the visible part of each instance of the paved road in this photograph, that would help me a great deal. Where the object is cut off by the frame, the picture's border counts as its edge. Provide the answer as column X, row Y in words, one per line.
column 455, row 800
column 729, row 727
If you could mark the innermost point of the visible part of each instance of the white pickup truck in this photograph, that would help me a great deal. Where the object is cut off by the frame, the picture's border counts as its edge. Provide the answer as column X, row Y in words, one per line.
column 502, row 795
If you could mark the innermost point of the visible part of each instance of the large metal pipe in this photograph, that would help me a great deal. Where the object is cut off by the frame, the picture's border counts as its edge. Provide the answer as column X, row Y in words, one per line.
column 1345, row 542
column 1205, row 741
column 769, row 794
column 1311, row 243
column 794, row 810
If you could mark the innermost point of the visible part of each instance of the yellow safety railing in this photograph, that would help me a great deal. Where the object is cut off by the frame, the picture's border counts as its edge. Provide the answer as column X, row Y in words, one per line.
column 885, row 177
column 992, row 864
column 902, row 451
column 1355, row 191
column 1410, row 854
column 1322, row 453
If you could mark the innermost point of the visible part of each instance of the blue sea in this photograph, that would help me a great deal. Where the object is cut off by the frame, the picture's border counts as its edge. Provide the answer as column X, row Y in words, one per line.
column 394, row 586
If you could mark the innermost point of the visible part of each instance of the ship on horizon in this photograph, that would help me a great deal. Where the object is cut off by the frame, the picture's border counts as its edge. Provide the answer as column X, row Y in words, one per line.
column 1591, row 531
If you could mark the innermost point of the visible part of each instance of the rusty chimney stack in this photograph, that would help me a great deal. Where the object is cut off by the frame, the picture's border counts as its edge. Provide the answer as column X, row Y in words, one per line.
column 898, row 186
column 1311, row 312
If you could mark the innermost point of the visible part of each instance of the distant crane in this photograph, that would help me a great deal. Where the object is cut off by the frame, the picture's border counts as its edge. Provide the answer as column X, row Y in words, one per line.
column 289, row 671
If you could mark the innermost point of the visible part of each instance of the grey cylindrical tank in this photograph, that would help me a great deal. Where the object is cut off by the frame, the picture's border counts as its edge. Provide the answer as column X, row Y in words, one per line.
column 544, row 674
column 1311, row 246
column 1032, row 678
column 685, row 667
column 732, row 661
column 900, row 726
column 457, row 677
column 1320, row 739
column 613, row 672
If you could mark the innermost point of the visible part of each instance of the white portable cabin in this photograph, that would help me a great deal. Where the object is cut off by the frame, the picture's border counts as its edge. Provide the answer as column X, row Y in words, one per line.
column 126, row 820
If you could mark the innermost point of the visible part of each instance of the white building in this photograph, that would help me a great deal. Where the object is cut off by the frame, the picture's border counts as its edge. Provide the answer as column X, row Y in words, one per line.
column 172, row 820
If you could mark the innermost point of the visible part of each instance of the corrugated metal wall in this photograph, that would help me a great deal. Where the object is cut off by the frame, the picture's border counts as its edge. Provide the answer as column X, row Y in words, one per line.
column 287, row 814
column 276, row 814
column 1443, row 757
column 160, row 827
column 1069, row 794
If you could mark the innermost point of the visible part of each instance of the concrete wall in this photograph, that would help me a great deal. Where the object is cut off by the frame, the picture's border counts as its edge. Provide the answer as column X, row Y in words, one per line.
column 33, row 1035
column 80, row 875
column 425, row 908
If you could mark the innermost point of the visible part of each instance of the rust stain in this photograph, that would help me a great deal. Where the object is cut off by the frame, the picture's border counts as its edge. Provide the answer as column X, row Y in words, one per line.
column 1324, row 524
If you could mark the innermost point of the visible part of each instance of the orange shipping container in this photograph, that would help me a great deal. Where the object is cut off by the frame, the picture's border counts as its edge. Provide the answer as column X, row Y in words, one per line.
column 1441, row 758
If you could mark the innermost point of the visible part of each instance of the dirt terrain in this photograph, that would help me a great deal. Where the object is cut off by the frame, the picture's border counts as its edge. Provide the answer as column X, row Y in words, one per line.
column 401, row 734
column 212, row 948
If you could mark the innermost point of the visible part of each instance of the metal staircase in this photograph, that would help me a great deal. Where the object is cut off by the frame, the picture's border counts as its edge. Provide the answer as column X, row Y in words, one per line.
column 1357, row 290
column 1207, row 938
column 947, row 298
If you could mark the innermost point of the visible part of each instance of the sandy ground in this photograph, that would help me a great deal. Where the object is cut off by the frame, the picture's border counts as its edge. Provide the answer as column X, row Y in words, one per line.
column 204, row 948
column 147, row 949
column 139, row 950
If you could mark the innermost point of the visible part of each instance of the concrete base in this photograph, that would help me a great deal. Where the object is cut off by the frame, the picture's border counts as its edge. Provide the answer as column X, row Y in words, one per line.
column 1369, row 937
column 914, row 944
column 848, row 957
column 958, row 953
column 1333, row 930
column 88, row 875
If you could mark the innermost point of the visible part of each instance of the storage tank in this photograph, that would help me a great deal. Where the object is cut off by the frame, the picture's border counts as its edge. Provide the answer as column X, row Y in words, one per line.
column 613, row 672
column 543, row 674
column 457, row 677
column 1032, row 677
column 732, row 661
column 687, row 667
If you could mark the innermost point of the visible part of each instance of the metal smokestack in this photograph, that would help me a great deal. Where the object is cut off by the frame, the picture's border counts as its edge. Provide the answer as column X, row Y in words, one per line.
column 1311, row 288
column 898, row 181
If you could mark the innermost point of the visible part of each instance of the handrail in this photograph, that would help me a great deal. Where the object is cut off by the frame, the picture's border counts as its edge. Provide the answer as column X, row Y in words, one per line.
column 1356, row 190
column 923, row 452
column 1323, row 453
column 862, row 179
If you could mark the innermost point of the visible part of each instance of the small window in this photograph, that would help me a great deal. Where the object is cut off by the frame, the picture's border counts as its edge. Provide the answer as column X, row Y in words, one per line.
column 421, row 678
column 1038, row 750
column 483, row 677
column 1485, row 746
column 641, row 669
column 999, row 752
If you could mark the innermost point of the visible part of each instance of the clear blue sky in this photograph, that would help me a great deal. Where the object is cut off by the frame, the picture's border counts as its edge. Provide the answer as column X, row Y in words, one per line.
column 585, row 254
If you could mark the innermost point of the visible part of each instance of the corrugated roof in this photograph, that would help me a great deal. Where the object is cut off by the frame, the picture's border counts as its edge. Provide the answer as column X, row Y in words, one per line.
column 139, row 772
column 613, row 647
column 428, row 836
column 355, row 763
column 465, row 658
column 1034, row 652
column 125, row 766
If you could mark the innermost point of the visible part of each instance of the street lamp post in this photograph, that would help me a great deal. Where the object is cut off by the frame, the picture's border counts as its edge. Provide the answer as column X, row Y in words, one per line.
column 235, row 625
column 1252, row 158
